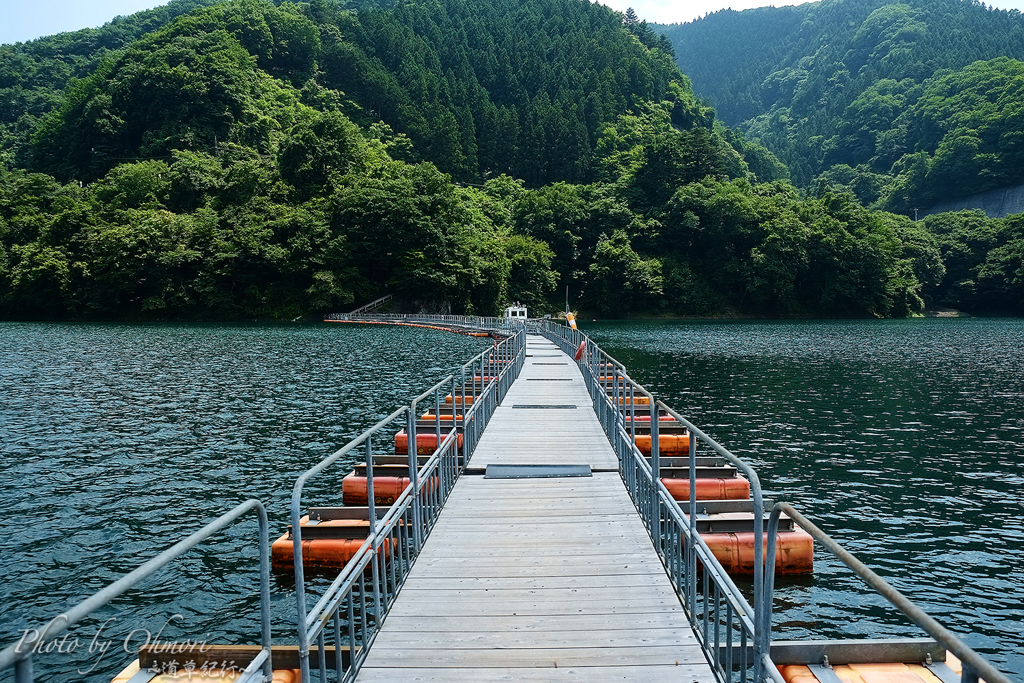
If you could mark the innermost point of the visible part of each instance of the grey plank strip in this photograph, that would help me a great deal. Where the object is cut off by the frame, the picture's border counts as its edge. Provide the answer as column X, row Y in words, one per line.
column 551, row 555
column 588, row 657
column 543, row 555
column 670, row 636
column 617, row 674
column 531, row 530
column 535, row 608
column 478, row 582
column 493, row 572
column 529, row 624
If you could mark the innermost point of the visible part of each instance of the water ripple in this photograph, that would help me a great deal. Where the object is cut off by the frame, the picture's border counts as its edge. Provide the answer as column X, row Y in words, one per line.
column 900, row 438
column 118, row 440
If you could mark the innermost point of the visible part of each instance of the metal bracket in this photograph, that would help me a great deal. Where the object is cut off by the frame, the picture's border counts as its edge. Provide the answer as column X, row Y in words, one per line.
column 942, row 672
column 824, row 673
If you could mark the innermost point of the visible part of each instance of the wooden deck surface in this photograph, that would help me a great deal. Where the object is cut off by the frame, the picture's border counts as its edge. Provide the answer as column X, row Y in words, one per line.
column 546, row 436
column 539, row 579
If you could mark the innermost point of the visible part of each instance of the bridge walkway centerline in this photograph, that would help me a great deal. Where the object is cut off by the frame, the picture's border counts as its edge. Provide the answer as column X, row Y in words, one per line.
column 539, row 579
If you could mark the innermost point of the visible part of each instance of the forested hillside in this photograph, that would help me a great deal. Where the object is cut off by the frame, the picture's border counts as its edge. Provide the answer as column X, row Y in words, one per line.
column 251, row 159
column 33, row 75
column 899, row 102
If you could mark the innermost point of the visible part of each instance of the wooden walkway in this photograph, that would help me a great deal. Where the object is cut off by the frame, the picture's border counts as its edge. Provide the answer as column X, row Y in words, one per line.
column 539, row 579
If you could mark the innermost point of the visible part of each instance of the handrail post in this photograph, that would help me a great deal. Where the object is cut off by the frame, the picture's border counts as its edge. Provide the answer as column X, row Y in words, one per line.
column 769, row 585
column 655, row 476
column 465, row 426
column 371, row 507
column 632, row 412
column 417, row 514
column 437, row 418
column 691, row 542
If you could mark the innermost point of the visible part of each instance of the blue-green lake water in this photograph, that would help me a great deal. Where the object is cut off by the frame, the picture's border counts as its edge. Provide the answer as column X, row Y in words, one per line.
column 118, row 440
column 903, row 439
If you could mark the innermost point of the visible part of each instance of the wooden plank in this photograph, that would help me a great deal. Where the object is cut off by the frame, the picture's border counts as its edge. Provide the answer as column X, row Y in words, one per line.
column 536, row 609
column 569, row 560
column 537, row 534
column 550, row 513
column 496, row 571
column 530, row 623
column 527, row 579
column 588, row 657
column 605, row 483
column 642, row 674
column 498, row 592
column 460, row 640
column 540, row 556
column 537, row 605
column 416, row 582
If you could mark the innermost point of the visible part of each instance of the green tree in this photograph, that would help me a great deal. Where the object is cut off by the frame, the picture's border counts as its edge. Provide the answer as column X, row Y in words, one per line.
column 621, row 281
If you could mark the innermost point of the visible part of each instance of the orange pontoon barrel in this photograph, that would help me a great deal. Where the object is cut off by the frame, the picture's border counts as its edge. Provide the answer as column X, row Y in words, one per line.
column 731, row 488
column 317, row 553
column 386, row 490
column 668, row 444
column 426, row 442
column 794, row 551
column 882, row 672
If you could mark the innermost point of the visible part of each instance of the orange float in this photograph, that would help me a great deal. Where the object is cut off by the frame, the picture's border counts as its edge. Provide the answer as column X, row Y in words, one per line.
column 717, row 488
column 317, row 553
column 903, row 673
column 636, row 400
column 330, row 545
column 794, row 551
column 668, row 444
column 426, row 442
column 386, row 489
column 445, row 417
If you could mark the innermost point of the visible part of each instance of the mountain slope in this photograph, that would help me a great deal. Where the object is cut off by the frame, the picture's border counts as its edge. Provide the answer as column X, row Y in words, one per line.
column 496, row 87
column 34, row 74
column 258, row 160
column 828, row 84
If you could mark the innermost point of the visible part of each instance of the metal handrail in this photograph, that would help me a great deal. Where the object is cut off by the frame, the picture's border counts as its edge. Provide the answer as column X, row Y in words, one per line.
column 463, row 322
column 762, row 628
column 394, row 542
column 608, row 383
column 973, row 663
column 372, row 305
column 19, row 655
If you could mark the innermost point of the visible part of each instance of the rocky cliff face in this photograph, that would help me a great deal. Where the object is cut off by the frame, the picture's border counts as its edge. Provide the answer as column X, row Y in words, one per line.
column 996, row 203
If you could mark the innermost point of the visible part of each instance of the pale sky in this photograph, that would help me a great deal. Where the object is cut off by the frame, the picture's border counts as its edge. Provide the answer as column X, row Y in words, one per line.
column 22, row 20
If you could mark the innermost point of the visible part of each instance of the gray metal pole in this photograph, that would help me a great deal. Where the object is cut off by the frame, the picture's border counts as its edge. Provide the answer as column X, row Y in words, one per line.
column 417, row 531
column 655, row 476
column 692, row 540
column 371, row 508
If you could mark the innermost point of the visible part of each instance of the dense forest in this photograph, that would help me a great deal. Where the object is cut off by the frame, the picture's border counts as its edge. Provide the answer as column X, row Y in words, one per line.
column 902, row 103
column 246, row 159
